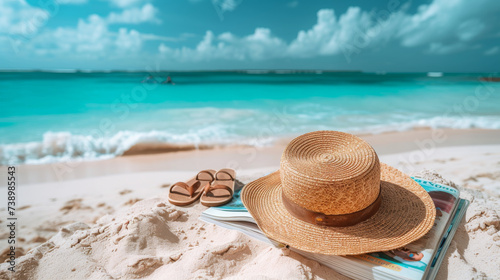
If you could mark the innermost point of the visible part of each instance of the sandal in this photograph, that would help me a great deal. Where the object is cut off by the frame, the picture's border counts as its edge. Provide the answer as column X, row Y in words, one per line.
column 182, row 194
column 221, row 190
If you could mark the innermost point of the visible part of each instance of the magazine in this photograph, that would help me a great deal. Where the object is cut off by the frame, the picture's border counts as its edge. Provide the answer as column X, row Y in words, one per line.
column 418, row 260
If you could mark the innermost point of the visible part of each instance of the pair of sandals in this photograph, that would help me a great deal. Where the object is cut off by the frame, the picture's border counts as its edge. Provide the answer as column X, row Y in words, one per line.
column 211, row 187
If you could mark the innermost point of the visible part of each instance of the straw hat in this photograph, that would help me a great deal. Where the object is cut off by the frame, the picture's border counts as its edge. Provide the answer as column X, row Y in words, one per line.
column 332, row 196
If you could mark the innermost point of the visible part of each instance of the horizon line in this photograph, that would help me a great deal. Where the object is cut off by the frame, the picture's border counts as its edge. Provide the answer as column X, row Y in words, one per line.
column 253, row 71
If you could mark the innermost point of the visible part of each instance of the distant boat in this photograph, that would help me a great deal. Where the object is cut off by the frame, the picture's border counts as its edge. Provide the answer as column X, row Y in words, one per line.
column 490, row 79
column 435, row 74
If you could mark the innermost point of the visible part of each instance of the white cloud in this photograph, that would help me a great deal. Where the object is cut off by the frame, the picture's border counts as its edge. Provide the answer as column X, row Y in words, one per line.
column 331, row 36
column 162, row 48
column 226, row 5
column 128, row 41
column 135, row 15
column 257, row 46
column 492, row 51
column 313, row 40
column 445, row 21
column 441, row 27
column 222, row 6
column 90, row 38
column 17, row 17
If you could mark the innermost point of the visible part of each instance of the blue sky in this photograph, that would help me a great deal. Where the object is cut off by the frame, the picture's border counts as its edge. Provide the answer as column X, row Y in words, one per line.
column 393, row 36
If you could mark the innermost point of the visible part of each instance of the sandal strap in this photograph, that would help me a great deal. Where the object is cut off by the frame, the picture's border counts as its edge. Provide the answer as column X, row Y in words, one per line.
column 225, row 172
column 205, row 172
column 209, row 188
column 185, row 186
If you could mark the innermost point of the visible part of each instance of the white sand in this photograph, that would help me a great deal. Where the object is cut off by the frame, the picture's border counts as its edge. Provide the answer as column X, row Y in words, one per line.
column 91, row 228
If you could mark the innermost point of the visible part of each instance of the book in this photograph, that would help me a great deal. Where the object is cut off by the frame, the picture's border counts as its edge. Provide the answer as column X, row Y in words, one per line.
column 420, row 259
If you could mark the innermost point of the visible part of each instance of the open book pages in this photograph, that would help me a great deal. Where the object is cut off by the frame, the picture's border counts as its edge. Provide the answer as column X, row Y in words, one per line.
column 417, row 260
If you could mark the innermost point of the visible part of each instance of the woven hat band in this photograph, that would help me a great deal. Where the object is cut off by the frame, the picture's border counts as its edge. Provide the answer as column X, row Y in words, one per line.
column 343, row 220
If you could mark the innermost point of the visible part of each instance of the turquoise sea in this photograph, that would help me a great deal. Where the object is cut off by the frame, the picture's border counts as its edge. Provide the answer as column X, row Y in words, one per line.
column 54, row 116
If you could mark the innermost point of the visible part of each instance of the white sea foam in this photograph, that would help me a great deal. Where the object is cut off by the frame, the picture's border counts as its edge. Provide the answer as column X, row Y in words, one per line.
column 65, row 146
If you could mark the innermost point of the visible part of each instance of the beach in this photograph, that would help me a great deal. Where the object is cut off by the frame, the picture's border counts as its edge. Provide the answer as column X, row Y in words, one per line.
column 110, row 110
column 108, row 219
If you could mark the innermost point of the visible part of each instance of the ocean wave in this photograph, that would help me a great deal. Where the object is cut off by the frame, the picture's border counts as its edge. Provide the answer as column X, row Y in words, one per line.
column 66, row 146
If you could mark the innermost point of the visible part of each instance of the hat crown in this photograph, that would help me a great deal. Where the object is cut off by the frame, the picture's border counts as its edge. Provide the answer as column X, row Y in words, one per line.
column 330, row 172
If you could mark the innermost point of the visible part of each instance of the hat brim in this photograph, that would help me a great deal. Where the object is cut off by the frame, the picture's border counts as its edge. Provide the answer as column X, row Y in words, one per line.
column 406, row 213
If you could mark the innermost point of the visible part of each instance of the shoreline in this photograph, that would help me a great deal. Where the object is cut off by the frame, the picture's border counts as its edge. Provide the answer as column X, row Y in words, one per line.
column 65, row 147
column 242, row 156
column 378, row 139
